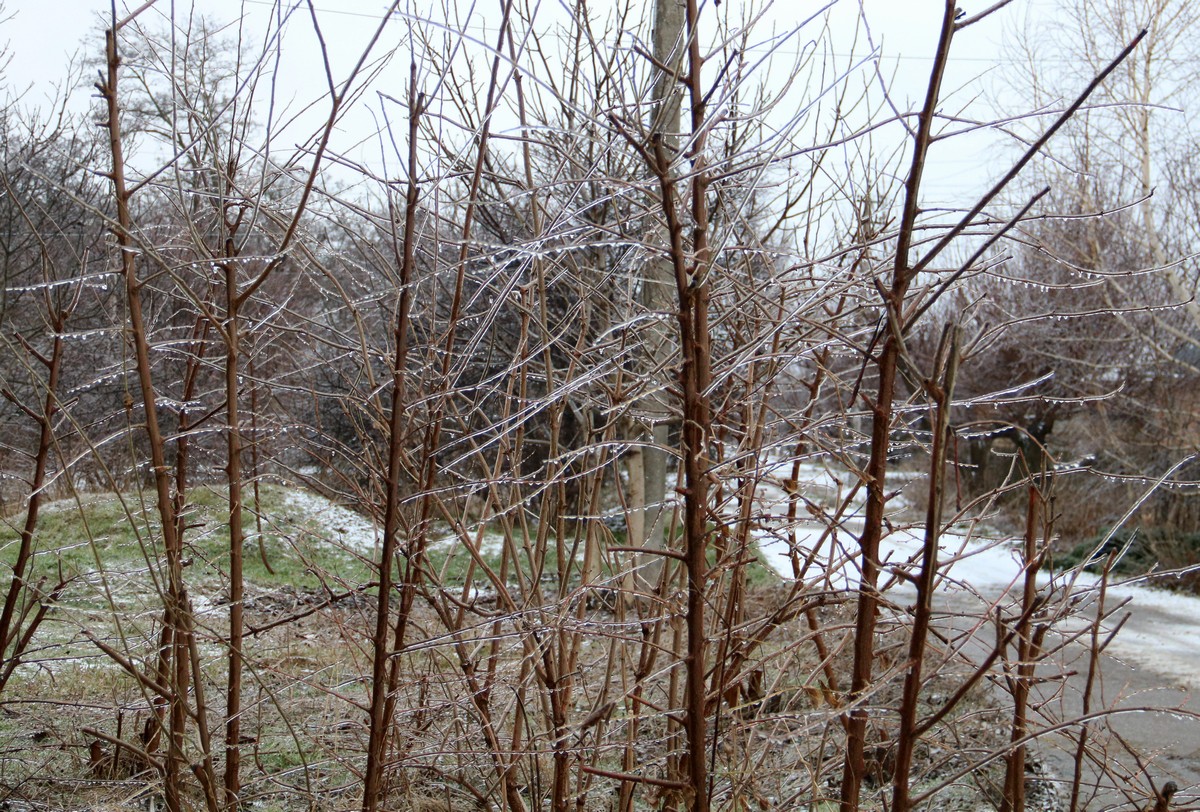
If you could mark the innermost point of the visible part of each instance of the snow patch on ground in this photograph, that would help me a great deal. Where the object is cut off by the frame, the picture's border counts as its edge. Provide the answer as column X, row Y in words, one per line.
column 827, row 548
column 343, row 526
column 1162, row 630
column 333, row 522
column 965, row 562
column 490, row 544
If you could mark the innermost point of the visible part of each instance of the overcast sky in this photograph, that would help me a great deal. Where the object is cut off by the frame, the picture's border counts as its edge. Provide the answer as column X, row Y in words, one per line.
column 42, row 37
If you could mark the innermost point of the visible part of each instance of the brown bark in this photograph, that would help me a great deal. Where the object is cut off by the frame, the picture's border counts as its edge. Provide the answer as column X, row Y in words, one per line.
column 906, row 739
column 176, row 599
column 881, row 428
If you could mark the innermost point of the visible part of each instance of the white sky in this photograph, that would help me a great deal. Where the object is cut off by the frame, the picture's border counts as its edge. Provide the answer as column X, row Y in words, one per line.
column 42, row 37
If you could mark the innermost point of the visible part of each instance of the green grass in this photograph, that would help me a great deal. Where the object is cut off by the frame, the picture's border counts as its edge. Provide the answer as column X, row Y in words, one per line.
column 452, row 561
column 119, row 535
column 1139, row 551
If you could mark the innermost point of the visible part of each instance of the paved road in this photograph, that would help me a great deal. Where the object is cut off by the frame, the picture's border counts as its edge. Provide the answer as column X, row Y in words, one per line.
column 1147, row 676
column 1147, row 673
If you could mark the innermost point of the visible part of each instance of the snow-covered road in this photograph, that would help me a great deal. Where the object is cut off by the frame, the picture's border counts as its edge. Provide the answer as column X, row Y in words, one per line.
column 1162, row 634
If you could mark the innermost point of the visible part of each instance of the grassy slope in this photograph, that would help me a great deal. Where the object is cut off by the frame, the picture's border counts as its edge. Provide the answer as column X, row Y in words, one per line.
column 109, row 545
column 116, row 535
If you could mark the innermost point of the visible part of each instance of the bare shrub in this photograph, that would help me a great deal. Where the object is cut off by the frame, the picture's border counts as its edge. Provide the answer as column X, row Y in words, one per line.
column 572, row 378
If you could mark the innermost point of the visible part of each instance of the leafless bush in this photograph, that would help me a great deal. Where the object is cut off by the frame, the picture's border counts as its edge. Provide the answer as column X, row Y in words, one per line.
column 481, row 352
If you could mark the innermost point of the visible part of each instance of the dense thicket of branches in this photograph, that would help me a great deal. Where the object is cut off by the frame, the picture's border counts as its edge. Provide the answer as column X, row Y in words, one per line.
column 469, row 341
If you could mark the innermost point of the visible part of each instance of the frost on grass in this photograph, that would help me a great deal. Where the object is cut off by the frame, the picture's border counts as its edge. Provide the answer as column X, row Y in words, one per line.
column 333, row 522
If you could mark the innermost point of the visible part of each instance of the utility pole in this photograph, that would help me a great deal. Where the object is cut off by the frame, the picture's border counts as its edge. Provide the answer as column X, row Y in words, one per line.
column 648, row 524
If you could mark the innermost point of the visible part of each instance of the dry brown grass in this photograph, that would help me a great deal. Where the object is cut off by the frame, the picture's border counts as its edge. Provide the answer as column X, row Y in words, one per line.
column 778, row 745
